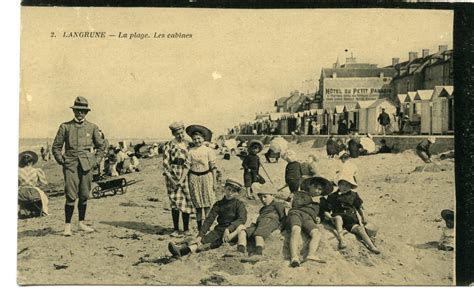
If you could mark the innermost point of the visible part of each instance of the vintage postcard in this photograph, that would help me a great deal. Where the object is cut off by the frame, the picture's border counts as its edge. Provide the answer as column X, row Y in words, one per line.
column 181, row 146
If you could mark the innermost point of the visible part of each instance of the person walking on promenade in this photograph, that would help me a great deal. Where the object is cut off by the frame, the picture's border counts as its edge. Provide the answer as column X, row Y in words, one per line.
column 84, row 148
column 384, row 121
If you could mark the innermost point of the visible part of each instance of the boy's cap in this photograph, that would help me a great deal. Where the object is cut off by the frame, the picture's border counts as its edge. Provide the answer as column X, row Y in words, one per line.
column 348, row 178
column 432, row 139
column 176, row 126
column 447, row 214
column 324, row 183
column 256, row 142
column 234, row 184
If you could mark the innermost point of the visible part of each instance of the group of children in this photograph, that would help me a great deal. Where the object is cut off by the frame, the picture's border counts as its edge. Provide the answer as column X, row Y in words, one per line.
column 312, row 202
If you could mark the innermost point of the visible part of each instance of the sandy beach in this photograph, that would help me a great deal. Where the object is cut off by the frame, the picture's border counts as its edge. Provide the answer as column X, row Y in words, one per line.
column 132, row 233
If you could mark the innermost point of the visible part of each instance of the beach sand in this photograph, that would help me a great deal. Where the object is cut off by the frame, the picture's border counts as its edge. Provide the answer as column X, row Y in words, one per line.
column 132, row 233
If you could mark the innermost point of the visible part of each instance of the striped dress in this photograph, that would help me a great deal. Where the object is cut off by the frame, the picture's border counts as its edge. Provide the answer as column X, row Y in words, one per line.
column 175, row 160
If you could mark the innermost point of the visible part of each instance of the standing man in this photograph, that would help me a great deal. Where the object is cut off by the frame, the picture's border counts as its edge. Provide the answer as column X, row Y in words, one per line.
column 384, row 121
column 84, row 148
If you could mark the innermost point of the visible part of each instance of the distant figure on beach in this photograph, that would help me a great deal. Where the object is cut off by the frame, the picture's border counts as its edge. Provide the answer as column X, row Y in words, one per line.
column 331, row 147
column 384, row 148
column 202, row 176
column 384, row 121
column 309, row 168
column 304, row 216
column 341, row 127
column 251, row 166
column 354, row 146
column 43, row 153
column 176, row 164
column 32, row 201
column 352, row 126
column 446, row 242
column 347, row 167
column 423, row 149
column 293, row 171
column 368, row 145
column 84, row 148
column 344, row 209
column 231, row 216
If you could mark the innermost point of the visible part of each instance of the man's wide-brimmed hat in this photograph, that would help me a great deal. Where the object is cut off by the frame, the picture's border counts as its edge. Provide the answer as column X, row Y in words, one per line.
column 255, row 142
column 176, row 126
column 447, row 214
column 27, row 155
column 80, row 103
column 234, row 184
column 206, row 132
column 324, row 183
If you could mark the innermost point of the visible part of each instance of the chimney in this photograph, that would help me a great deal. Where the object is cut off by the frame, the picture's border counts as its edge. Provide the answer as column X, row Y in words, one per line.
column 425, row 52
column 412, row 56
column 395, row 61
column 442, row 48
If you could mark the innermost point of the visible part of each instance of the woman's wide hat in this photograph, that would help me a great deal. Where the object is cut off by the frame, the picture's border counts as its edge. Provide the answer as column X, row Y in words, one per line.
column 24, row 156
column 81, row 104
column 206, row 132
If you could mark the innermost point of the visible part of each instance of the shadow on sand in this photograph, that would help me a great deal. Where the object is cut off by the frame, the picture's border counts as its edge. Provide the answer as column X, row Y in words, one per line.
column 139, row 226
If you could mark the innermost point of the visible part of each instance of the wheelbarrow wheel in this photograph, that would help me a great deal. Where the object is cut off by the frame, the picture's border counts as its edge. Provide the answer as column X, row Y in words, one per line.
column 96, row 192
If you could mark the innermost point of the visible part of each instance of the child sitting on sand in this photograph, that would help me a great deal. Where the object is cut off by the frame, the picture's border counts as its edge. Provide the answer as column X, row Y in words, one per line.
column 251, row 165
column 293, row 171
column 310, row 168
column 447, row 238
column 423, row 149
column 344, row 208
column 270, row 218
column 231, row 217
column 347, row 166
column 304, row 215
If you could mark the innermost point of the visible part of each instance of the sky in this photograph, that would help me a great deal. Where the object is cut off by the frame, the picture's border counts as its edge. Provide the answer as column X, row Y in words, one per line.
column 237, row 63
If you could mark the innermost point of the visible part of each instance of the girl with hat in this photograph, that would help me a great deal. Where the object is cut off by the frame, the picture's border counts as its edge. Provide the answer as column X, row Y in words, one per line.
column 202, row 176
column 29, row 193
column 176, row 164
column 251, row 165
column 344, row 209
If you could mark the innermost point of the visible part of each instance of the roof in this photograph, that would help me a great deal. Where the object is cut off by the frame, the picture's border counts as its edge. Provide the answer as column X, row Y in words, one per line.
column 401, row 97
column 281, row 101
column 364, row 104
column 443, row 91
column 345, row 73
column 424, row 95
column 411, row 96
column 376, row 103
column 419, row 64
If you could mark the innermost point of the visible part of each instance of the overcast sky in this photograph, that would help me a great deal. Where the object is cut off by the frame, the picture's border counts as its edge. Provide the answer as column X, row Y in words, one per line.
column 237, row 63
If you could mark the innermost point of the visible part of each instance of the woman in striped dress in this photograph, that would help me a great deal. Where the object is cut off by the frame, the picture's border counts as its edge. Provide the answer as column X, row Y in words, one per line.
column 29, row 193
column 203, row 172
column 176, row 164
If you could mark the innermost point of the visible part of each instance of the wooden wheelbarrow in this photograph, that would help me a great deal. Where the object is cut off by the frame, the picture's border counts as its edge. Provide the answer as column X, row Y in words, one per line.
column 112, row 186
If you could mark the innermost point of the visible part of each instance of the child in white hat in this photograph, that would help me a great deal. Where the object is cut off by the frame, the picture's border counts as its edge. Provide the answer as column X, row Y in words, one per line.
column 344, row 208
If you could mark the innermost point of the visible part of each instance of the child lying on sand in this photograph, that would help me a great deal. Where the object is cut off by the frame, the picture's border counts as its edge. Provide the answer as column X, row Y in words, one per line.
column 343, row 209
column 270, row 218
column 304, row 215
column 231, row 217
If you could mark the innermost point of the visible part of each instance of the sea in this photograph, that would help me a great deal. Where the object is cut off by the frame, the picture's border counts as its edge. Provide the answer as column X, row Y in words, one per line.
column 35, row 144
